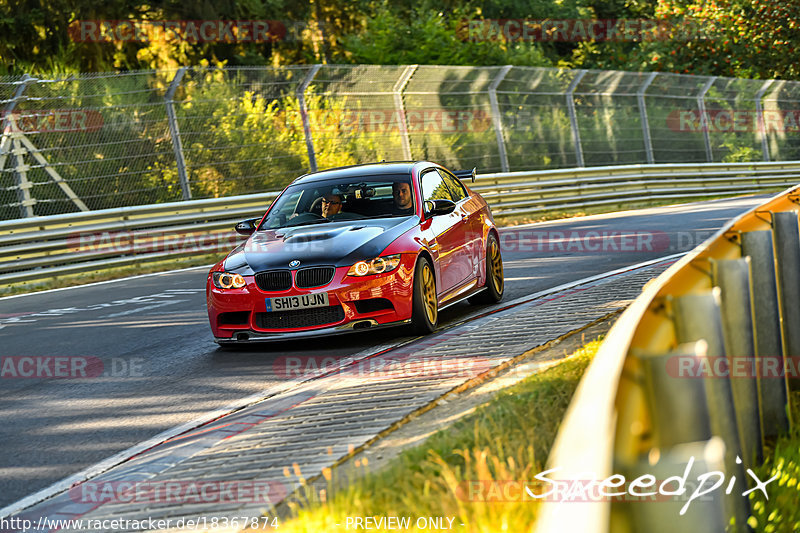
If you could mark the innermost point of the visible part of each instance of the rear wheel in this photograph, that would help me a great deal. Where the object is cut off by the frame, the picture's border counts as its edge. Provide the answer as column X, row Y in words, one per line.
column 425, row 306
column 495, row 281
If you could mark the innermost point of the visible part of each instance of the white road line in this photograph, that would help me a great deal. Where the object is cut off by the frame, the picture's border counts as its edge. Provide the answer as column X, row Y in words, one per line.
column 106, row 282
column 140, row 309
column 121, row 457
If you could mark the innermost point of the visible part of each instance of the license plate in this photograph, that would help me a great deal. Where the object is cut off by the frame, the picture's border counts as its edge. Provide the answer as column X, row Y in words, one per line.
column 305, row 301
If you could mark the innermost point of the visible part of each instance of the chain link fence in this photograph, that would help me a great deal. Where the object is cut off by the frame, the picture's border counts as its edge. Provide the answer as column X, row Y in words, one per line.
column 108, row 140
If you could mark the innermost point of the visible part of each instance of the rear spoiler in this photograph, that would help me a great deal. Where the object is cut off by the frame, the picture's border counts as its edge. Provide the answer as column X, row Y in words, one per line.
column 464, row 174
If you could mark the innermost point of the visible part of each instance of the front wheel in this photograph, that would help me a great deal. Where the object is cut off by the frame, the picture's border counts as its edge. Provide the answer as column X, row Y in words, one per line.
column 495, row 281
column 425, row 306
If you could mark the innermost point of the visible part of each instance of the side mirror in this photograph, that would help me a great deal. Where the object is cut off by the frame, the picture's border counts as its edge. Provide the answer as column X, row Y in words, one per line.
column 247, row 227
column 439, row 207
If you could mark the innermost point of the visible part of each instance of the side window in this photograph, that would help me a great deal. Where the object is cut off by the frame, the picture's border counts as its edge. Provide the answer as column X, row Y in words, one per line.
column 456, row 188
column 434, row 187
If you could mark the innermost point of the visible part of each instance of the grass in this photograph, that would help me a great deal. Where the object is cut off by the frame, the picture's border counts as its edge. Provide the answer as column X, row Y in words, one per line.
column 508, row 438
column 781, row 512
column 83, row 278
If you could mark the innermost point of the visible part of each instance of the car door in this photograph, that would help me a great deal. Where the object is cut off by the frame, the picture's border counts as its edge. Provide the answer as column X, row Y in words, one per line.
column 447, row 234
column 470, row 216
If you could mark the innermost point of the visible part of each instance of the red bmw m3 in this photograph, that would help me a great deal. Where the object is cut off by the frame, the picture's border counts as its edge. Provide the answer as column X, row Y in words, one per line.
column 354, row 248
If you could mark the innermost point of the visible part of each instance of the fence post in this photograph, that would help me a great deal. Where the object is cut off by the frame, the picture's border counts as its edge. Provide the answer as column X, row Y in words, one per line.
column 762, row 129
column 301, row 100
column 497, row 119
column 400, row 108
column 648, row 142
column 573, row 119
column 175, row 133
column 701, row 107
column 9, row 145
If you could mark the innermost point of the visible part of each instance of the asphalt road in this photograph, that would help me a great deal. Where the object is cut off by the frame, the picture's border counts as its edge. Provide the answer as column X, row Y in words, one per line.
column 154, row 365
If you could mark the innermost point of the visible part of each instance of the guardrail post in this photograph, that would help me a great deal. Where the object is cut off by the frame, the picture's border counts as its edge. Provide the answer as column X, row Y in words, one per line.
column 497, row 118
column 9, row 145
column 772, row 396
column 670, row 398
column 660, row 516
column 648, row 142
column 732, row 276
column 175, row 133
column 573, row 118
column 701, row 107
column 697, row 317
column 301, row 100
column 400, row 108
column 787, row 264
column 762, row 128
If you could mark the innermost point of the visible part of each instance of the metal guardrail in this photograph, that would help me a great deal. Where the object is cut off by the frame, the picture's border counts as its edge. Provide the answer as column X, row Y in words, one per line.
column 39, row 248
column 689, row 371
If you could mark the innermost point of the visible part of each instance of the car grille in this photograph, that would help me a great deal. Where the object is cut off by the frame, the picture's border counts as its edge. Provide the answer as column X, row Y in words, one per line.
column 307, row 278
column 274, row 280
column 300, row 318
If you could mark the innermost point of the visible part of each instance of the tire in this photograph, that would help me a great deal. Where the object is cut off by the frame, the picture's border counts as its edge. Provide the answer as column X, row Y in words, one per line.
column 425, row 307
column 495, row 280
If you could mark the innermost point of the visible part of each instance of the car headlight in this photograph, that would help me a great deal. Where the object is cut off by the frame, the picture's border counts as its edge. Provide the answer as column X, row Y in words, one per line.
column 379, row 265
column 227, row 280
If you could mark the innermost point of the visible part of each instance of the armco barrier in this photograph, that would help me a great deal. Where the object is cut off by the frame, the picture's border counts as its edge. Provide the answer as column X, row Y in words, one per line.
column 46, row 247
column 693, row 372
column 39, row 248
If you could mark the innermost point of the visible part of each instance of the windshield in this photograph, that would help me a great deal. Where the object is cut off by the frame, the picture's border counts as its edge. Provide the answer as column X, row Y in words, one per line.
column 337, row 199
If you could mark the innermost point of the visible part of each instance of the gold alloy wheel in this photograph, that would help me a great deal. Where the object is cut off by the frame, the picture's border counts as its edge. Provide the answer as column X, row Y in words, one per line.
column 496, row 265
column 429, row 293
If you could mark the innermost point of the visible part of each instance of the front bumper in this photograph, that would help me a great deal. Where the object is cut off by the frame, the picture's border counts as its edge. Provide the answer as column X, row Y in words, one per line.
column 246, row 336
column 238, row 315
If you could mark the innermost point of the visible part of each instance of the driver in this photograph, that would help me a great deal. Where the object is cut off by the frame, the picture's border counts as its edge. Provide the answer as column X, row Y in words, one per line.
column 331, row 205
column 403, row 201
